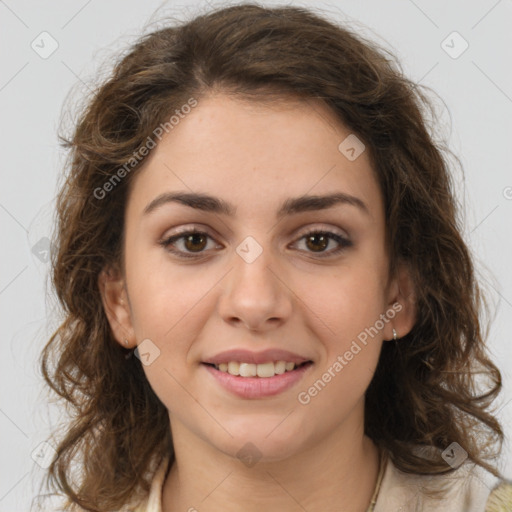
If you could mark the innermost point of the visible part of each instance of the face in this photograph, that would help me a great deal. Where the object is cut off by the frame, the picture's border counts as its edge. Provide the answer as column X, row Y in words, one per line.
column 270, row 271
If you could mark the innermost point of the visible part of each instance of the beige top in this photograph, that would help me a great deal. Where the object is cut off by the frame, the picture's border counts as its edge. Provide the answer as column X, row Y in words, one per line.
column 467, row 489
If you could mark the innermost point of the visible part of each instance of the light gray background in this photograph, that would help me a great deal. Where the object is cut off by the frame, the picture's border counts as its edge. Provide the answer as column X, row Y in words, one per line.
column 476, row 88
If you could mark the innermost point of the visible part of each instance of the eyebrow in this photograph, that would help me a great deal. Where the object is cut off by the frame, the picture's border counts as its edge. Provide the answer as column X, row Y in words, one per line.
column 290, row 206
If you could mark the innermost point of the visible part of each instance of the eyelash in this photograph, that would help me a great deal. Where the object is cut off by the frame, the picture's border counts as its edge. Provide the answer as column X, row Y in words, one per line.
column 167, row 242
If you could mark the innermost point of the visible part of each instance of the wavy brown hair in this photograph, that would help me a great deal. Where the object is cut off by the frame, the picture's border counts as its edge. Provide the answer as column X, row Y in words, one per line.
column 118, row 426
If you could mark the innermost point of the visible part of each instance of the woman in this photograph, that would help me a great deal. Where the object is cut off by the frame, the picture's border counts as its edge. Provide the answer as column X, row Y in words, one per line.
column 269, row 302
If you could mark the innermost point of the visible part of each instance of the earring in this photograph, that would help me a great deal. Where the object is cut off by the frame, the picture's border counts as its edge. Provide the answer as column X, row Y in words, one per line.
column 126, row 342
column 394, row 335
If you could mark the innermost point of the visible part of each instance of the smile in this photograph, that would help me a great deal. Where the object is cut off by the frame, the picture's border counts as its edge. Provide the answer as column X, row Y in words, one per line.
column 253, row 381
column 263, row 370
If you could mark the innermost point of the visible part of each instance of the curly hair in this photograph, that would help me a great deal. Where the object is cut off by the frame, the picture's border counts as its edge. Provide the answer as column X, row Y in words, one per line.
column 118, row 426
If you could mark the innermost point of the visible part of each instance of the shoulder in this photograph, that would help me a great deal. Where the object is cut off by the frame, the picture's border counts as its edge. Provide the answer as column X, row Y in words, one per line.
column 469, row 488
column 500, row 498
column 153, row 502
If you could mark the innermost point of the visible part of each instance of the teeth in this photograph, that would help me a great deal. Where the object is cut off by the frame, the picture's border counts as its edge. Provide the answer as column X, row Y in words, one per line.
column 252, row 370
column 279, row 367
column 265, row 370
column 247, row 370
column 233, row 368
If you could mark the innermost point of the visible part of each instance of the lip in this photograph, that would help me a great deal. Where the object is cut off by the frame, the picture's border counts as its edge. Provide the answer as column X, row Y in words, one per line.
column 265, row 356
column 257, row 387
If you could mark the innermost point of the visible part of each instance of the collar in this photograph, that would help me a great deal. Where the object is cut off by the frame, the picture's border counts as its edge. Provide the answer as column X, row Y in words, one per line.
column 465, row 490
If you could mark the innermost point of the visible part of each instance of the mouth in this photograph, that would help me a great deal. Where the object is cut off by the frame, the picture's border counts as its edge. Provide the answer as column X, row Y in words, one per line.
column 264, row 370
column 256, row 381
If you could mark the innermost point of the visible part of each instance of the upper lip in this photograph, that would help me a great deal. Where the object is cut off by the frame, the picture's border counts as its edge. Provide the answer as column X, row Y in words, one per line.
column 247, row 356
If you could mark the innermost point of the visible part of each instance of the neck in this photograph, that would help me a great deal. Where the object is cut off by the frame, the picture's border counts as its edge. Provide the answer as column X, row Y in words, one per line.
column 337, row 472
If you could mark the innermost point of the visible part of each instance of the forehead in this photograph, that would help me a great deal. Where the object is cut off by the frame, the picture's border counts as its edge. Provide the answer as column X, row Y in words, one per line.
column 256, row 153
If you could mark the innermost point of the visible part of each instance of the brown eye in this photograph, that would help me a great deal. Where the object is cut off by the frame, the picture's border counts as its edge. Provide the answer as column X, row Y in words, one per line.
column 187, row 244
column 317, row 241
column 195, row 242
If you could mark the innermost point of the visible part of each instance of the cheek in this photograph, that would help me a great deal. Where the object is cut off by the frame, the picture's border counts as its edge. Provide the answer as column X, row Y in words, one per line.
column 169, row 310
column 345, row 302
column 347, row 312
column 344, row 312
column 161, row 294
column 170, row 306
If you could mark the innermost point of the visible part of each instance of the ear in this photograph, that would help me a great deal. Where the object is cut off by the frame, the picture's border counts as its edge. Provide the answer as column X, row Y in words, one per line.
column 116, row 305
column 401, row 304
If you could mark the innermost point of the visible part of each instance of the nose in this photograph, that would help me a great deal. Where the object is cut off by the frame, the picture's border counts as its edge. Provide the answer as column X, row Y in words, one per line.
column 256, row 294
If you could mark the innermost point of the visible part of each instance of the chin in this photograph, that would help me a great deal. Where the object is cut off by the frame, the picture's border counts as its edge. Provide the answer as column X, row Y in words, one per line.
column 262, row 442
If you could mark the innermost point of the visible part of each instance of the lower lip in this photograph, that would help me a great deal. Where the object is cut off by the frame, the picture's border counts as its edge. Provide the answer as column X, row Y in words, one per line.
column 258, row 387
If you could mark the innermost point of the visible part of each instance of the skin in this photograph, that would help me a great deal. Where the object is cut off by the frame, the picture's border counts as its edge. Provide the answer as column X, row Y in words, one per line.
column 315, row 456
